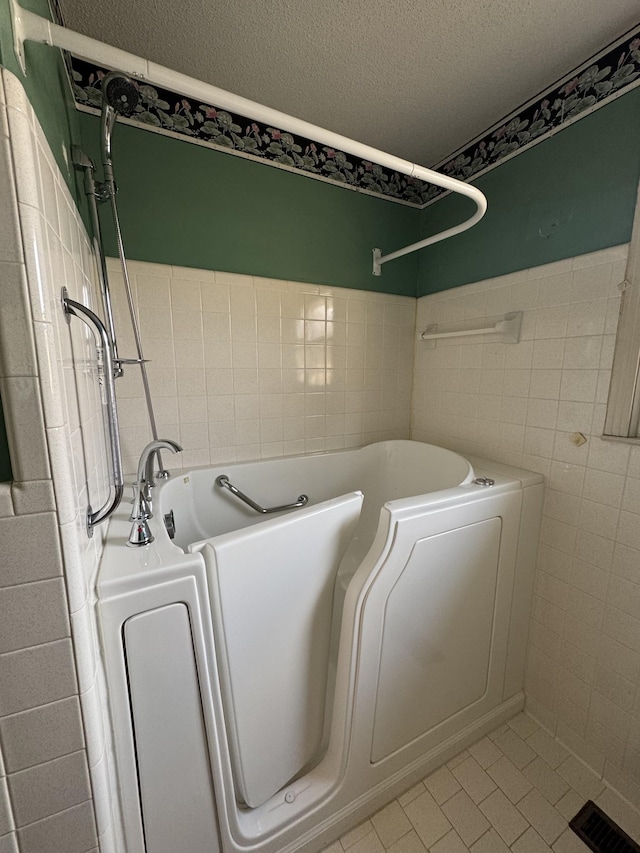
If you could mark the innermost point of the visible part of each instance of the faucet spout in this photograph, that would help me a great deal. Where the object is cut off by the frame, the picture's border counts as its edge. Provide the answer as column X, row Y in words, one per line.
column 140, row 532
column 145, row 465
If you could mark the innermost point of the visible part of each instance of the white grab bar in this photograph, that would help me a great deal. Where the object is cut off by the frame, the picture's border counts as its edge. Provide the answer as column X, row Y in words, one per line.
column 27, row 26
column 508, row 327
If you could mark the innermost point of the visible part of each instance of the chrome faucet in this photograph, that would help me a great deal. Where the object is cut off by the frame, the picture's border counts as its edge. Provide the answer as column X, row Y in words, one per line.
column 142, row 502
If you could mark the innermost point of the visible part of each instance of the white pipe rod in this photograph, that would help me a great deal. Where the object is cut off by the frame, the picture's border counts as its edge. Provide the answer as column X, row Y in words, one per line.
column 27, row 26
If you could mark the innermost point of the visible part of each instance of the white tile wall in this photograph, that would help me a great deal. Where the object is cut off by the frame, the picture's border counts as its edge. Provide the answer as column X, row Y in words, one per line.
column 52, row 401
column 247, row 368
column 520, row 404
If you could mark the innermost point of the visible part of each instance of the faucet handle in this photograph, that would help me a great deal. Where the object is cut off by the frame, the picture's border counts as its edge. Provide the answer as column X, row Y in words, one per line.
column 140, row 533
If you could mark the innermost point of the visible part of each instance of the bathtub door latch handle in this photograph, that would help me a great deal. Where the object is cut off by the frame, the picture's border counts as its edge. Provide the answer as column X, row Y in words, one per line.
column 223, row 482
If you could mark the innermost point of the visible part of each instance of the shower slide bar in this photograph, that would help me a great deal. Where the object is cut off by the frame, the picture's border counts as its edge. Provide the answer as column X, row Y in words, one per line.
column 81, row 161
column 27, row 26
column 223, row 482
column 72, row 308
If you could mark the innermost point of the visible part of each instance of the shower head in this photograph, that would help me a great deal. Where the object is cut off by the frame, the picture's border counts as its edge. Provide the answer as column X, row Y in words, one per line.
column 121, row 93
column 119, row 97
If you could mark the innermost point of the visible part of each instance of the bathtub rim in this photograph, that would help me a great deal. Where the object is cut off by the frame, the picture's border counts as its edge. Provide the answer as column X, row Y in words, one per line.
column 123, row 569
column 165, row 489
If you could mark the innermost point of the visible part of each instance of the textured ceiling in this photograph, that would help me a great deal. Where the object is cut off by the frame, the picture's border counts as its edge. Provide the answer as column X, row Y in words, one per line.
column 416, row 78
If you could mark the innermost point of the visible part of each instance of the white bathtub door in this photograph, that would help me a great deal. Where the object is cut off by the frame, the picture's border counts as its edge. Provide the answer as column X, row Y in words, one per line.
column 436, row 641
column 272, row 593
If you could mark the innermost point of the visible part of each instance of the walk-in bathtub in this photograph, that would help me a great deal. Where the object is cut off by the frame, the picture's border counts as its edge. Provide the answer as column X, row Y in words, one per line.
column 275, row 678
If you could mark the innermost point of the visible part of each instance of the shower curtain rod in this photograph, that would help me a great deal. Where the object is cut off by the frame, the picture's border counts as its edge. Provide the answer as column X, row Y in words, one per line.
column 27, row 26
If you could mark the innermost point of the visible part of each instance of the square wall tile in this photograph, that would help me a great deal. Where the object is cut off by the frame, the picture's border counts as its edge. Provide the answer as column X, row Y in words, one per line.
column 29, row 549
column 36, row 676
column 49, row 788
column 72, row 830
column 32, row 614
column 17, row 349
column 42, row 734
column 25, row 428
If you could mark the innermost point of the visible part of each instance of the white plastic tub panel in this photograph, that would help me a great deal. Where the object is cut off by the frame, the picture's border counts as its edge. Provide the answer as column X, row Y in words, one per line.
column 176, row 789
column 272, row 588
column 438, row 625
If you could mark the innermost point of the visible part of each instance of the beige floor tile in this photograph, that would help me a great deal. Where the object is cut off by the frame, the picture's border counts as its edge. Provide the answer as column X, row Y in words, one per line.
column 570, row 804
column 466, row 818
column 504, row 817
column 523, row 725
column 542, row 816
column 548, row 748
column 411, row 794
column 509, row 779
column 490, row 842
column 458, row 759
column 474, row 779
column 495, row 734
column 442, row 785
column 369, row 844
column 409, row 843
column 336, row 847
column 356, row 834
column 459, row 809
column 570, row 843
column 530, row 842
column 515, row 749
column 451, row 843
column 485, row 752
column 391, row 823
column 581, row 778
column 546, row 780
column 428, row 820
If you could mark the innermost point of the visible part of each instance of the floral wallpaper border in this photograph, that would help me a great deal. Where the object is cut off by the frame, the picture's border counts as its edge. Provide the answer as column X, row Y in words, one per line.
column 605, row 76
column 164, row 110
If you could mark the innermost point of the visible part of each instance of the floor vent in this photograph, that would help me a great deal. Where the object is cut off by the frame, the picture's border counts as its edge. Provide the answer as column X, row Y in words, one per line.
column 600, row 833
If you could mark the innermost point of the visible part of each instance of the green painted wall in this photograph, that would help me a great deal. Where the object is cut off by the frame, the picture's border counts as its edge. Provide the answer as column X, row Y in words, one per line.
column 47, row 87
column 192, row 206
column 571, row 194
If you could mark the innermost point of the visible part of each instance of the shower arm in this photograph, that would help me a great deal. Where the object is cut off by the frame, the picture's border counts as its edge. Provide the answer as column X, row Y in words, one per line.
column 27, row 26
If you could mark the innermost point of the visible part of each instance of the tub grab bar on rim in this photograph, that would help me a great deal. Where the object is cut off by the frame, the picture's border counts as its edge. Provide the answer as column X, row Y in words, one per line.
column 223, row 482
column 105, row 375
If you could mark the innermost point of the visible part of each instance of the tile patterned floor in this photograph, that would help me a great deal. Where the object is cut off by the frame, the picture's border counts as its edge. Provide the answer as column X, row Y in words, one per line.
column 511, row 792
